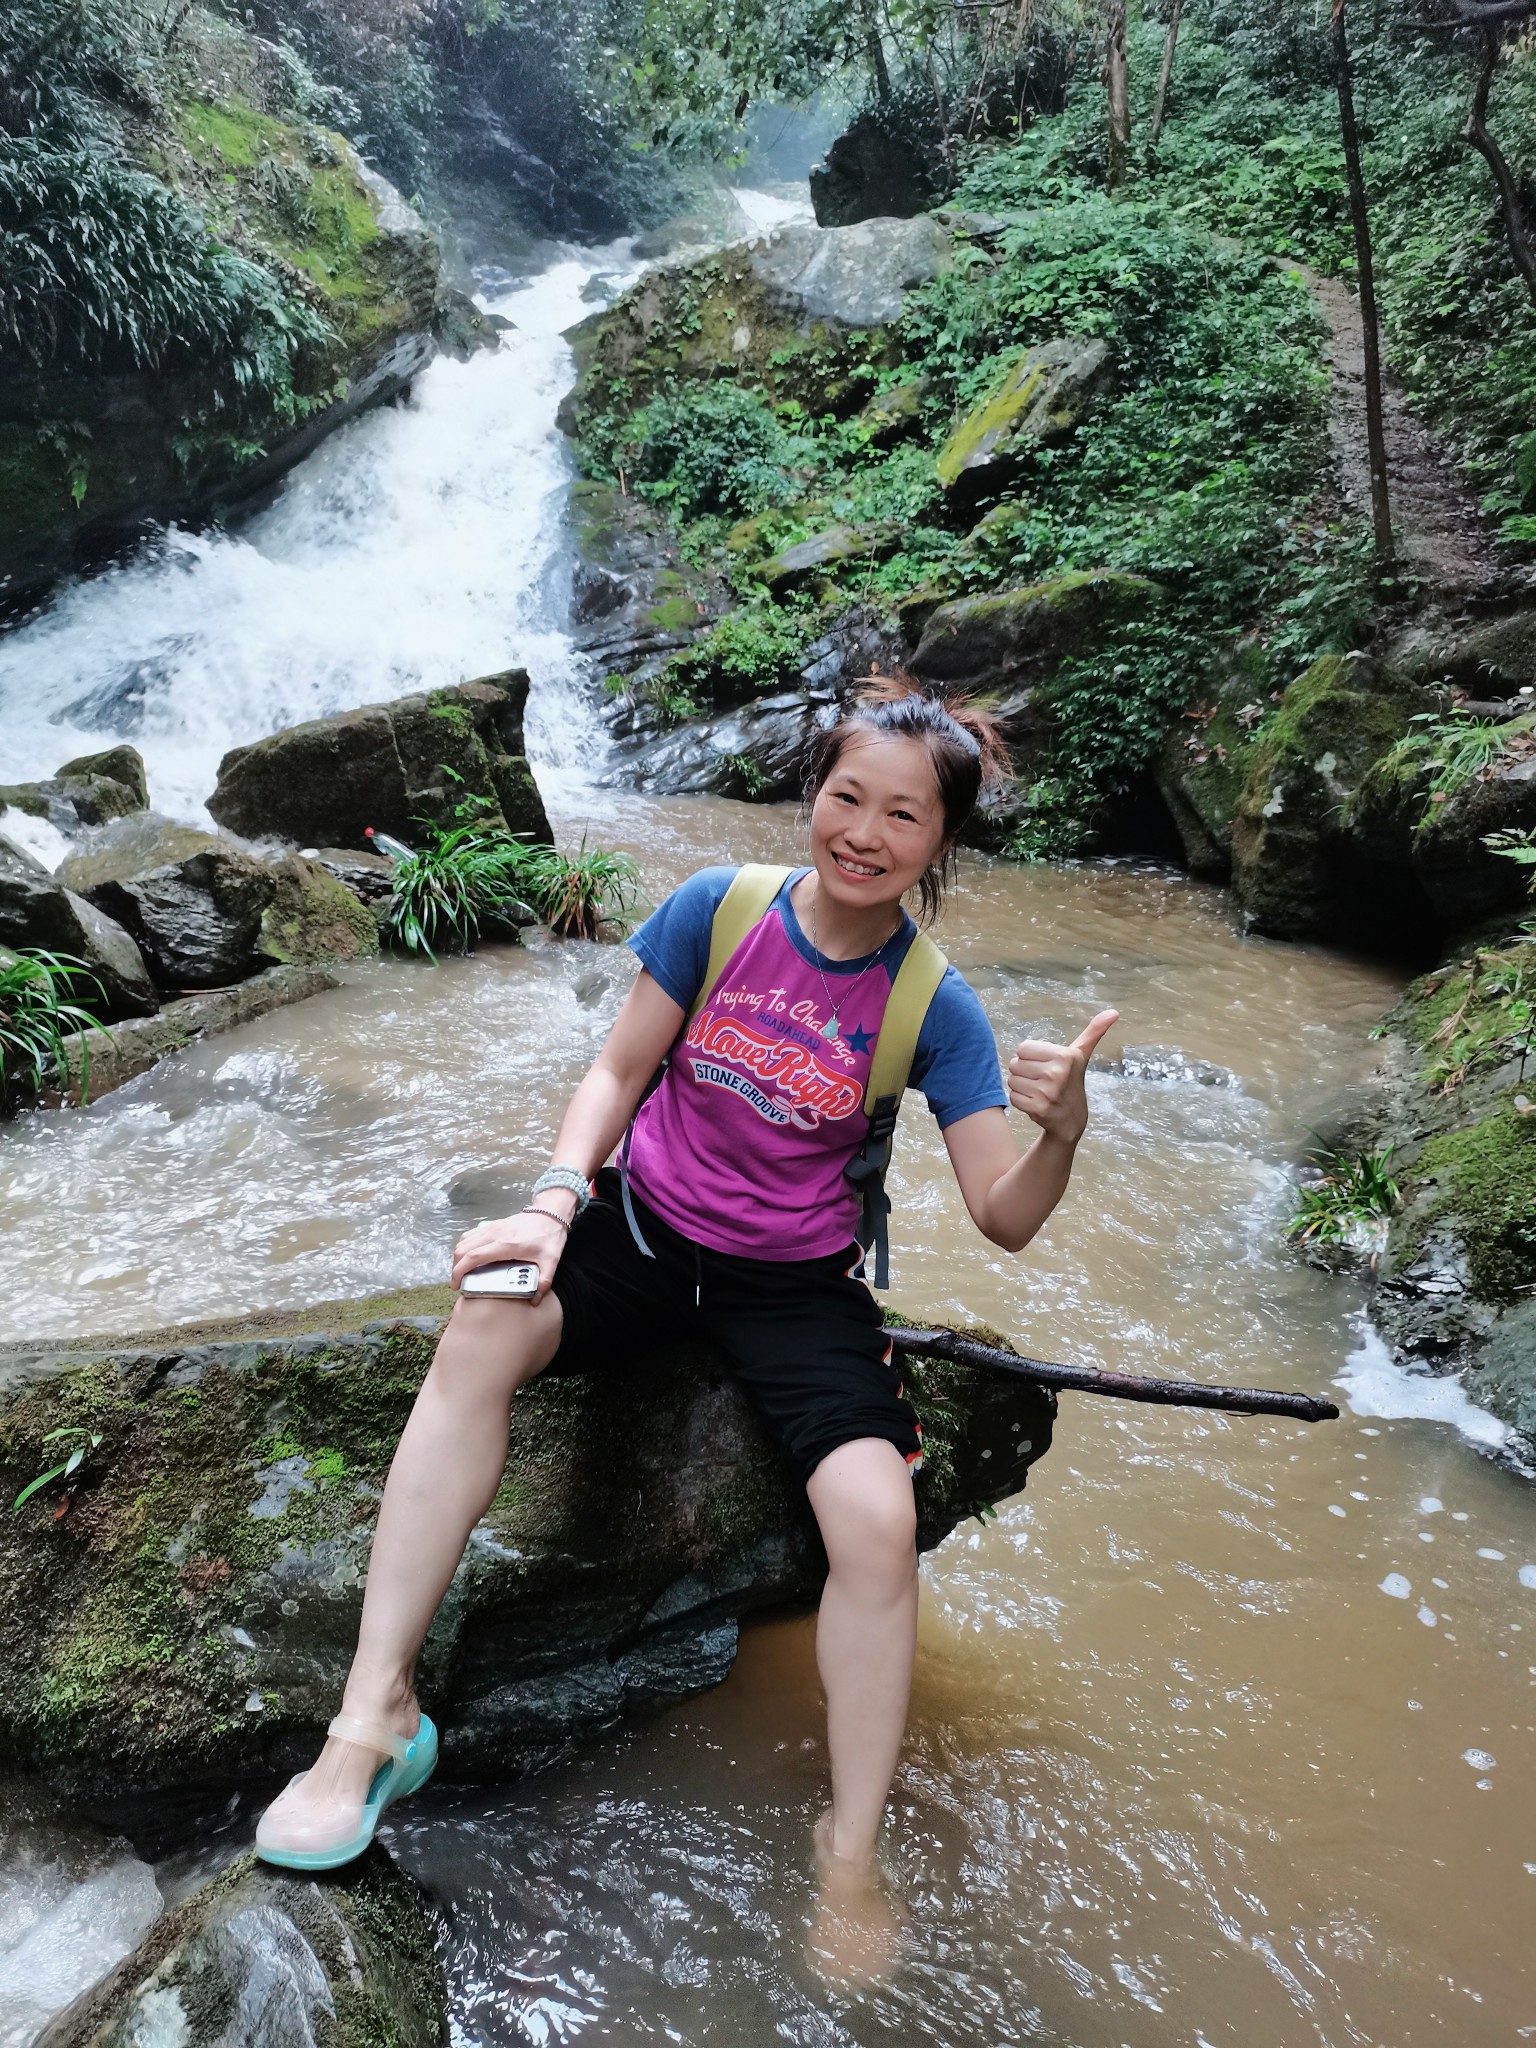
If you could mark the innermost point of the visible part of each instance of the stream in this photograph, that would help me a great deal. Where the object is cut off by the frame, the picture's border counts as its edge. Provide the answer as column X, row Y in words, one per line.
column 1221, row 1734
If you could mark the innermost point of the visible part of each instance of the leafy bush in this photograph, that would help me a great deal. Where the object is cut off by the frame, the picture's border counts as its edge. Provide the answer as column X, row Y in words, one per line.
column 104, row 268
column 718, row 449
column 576, row 895
column 1349, row 1202
column 758, row 647
column 37, row 1014
column 440, row 893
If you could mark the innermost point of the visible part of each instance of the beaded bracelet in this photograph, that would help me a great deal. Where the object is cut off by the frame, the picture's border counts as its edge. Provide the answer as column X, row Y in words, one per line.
column 531, row 1211
column 569, row 1181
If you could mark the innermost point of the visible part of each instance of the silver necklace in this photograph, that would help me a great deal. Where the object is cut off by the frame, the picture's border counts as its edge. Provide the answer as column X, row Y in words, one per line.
column 832, row 1028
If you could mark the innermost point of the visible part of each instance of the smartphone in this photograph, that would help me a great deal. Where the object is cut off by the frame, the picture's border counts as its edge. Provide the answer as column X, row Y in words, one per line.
column 509, row 1278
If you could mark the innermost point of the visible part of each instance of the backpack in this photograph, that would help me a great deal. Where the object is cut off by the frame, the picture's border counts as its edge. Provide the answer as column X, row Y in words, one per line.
column 745, row 903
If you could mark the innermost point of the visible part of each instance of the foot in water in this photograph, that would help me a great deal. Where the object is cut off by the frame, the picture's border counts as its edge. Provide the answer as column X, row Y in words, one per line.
column 855, row 1928
column 322, row 1808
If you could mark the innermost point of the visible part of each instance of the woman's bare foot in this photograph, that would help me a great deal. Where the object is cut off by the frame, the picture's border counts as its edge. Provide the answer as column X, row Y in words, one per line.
column 855, row 1929
column 322, row 1807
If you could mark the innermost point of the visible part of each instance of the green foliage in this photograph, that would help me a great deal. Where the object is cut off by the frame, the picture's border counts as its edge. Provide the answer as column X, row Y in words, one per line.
column 1348, row 1203
column 1489, row 1013
column 441, row 892
column 81, row 1440
column 37, row 1013
column 105, row 268
column 758, row 647
column 1445, row 753
column 715, row 449
column 1519, row 846
column 577, row 895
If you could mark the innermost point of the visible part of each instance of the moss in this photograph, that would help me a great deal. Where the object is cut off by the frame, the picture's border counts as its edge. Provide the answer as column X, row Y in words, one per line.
column 1480, row 1183
column 1010, row 396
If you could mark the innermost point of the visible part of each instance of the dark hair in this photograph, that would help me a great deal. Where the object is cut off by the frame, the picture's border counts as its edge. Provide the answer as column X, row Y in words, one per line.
column 963, row 744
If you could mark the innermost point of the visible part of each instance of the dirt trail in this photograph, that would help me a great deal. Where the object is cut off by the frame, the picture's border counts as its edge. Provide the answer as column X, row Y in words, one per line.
column 1442, row 536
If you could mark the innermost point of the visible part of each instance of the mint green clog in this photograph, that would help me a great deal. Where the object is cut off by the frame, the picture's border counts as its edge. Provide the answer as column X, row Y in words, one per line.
column 410, row 1761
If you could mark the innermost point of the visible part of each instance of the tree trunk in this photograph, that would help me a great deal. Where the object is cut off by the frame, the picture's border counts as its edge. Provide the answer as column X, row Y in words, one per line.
column 1375, row 431
column 1476, row 132
column 1160, row 102
column 1117, row 92
column 874, row 46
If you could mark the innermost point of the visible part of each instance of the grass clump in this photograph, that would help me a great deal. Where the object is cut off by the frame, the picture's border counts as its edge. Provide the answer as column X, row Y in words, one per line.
column 37, row 1015
column 1443, row 754
column 577, row 895
column 1348, row 1203
column 444, row 892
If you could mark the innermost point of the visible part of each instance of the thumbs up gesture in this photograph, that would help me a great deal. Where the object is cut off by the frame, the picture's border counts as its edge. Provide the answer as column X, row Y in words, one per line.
column 1045, row 1081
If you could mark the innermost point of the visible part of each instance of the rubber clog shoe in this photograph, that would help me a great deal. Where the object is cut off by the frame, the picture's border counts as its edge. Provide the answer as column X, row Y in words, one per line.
column 410, row 1761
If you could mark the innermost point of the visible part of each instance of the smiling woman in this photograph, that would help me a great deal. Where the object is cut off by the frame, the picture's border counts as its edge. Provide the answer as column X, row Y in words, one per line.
column 736, row 1212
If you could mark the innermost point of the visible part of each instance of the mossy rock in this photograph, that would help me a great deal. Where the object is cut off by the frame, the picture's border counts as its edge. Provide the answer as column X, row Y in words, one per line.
column 1011, row 642
column 87, row 462
column 343, row 1959
column 1038, row 399
column 313, row 917
column 1289, row 827
column 807, row 315
column 184, row 1609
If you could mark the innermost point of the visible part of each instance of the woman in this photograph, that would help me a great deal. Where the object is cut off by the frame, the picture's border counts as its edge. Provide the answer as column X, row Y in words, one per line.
column 738, row 1214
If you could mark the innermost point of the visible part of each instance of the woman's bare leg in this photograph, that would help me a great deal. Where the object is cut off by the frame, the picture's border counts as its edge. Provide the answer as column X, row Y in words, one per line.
column 444, row 1476
column 866, row 1636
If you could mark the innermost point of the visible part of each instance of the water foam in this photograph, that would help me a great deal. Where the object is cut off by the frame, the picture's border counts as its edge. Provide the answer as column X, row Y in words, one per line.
column 1374, row 1385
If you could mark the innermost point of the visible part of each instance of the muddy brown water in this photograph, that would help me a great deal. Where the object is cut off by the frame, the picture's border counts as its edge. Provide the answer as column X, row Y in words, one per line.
column 1222, row 1733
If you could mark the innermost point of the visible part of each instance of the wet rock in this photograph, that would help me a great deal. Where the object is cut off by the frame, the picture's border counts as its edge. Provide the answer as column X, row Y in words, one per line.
column 1484, row 657
column 314, row 916
column 895, row 414
column 73, row 1902
column 634, row 600
column 1460, row 874
column 193, row 901
column 753, row 750
column 1290, row 862
column 370, row 876
column 384, row 765
column 1037, row 400
column 136, row 1626
column 87, row 791
column 264, row 1958
column 39, row 912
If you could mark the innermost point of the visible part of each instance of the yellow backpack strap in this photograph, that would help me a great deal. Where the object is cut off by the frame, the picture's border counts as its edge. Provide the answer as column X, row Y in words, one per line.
column 745, row 903
column 916, row 983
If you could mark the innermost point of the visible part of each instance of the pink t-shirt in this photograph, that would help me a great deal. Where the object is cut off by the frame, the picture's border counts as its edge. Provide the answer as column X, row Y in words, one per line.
column 742, row 1146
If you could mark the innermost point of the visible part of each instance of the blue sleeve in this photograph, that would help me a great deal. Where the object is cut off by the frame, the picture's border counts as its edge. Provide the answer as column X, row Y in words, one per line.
column 674, row 940
column 956, row 1063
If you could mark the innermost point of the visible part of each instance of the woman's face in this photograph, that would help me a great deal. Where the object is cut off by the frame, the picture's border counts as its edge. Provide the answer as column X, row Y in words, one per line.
column 877, row 822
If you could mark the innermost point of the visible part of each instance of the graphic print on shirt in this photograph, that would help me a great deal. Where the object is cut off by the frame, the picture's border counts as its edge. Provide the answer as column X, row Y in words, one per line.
column 784, row 1079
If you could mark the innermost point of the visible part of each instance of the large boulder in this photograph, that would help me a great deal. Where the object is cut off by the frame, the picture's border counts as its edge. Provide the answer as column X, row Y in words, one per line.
column 390, row 766
column 194, row 901
column 1009, row 643
column 1038, row 399
column 183, row 1610
column 805, row 314
column 1291, row 862
column 264, row 1958
column 40, row 913
column 314, row 915
column 875, row 169
column 91, row 790
column 1463, row 878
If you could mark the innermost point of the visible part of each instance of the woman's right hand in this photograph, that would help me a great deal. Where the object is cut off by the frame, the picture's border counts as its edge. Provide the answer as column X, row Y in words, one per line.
column 528, row 1237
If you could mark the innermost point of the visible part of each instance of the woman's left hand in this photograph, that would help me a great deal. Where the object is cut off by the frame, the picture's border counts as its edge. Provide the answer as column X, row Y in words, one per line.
column 1045, row 1081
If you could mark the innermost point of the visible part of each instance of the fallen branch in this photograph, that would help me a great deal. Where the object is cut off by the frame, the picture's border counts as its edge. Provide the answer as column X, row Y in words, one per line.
column 1127, row 1386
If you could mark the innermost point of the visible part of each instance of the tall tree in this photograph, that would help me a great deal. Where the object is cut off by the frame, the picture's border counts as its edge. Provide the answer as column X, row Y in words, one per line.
column 1165, row 72
column 1117, row 92
column 1492, row 23
column 1375, row 429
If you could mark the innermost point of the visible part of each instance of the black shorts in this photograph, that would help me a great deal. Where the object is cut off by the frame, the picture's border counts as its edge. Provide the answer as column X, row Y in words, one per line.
column 806, row 1336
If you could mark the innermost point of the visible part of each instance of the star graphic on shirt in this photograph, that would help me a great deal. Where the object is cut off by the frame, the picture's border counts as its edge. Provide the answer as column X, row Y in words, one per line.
column 858, row 1040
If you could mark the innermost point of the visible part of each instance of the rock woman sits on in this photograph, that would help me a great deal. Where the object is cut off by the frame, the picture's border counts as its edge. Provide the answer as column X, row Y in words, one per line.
column 737, row 1217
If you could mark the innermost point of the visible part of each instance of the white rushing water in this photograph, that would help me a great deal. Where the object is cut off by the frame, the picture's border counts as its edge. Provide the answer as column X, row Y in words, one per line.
column 419, row 546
